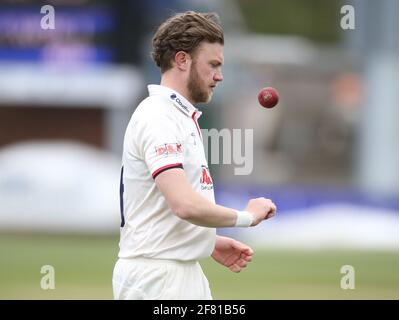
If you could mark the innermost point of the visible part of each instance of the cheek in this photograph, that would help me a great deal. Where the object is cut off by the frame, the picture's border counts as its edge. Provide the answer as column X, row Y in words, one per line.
column 208, row 74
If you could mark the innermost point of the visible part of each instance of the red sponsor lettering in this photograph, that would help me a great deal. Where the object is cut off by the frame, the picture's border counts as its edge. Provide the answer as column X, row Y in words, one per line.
column 160, row 151
column 205, row 178
column 168, row 148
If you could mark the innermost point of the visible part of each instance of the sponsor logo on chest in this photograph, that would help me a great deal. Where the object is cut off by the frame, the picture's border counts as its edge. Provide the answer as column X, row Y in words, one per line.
column 206, row 180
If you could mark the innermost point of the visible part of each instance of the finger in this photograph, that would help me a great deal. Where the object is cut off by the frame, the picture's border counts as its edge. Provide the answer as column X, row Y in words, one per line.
column 247, row 252
column 246, row 255
column 271, row 214
column 244, row 249
column 242, row 263
column 235, row 268
column 247, row 258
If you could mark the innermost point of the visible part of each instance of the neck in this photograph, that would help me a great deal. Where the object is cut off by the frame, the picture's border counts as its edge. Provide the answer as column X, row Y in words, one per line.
column 169, row 80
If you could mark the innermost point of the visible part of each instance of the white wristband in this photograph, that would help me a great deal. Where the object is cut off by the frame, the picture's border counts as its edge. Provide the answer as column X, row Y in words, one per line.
column 244, row 219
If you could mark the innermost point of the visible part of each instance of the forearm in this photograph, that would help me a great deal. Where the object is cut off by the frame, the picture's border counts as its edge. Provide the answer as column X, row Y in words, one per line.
column 189, row 205
column 200, row 211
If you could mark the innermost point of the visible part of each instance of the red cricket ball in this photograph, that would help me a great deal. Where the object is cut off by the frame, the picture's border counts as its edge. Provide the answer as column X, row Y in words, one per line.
column 268, row 97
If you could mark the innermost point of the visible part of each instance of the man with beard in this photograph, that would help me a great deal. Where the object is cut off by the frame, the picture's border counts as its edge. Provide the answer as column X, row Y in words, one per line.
column 168, row 211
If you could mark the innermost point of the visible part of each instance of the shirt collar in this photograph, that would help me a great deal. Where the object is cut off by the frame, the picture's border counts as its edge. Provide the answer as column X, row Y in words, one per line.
column 176, row 98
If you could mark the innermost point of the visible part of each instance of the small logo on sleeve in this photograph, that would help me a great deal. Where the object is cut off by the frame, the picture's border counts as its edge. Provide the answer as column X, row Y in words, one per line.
column 206, row 180
column 168, row 149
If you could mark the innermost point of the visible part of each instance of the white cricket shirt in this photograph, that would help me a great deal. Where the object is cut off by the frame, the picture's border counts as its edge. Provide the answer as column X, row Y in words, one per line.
column 163, row 133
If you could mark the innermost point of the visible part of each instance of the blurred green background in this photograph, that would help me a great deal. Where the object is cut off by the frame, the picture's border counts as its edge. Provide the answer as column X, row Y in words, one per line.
column 83, row 270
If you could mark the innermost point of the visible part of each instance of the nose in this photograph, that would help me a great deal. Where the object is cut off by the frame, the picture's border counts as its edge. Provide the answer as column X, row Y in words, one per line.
column 218, row 76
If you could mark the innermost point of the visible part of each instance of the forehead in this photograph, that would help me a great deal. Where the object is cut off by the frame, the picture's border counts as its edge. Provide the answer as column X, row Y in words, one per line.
column 210, row 51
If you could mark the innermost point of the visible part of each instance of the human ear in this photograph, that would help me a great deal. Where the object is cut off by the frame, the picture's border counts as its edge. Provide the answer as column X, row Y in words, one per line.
column 181, row 60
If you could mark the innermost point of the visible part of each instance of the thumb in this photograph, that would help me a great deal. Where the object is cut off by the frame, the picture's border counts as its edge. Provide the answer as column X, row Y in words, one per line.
column 242, row 247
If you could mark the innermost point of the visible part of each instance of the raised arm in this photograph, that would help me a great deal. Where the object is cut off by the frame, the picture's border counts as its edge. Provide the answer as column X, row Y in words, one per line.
column 191, row 206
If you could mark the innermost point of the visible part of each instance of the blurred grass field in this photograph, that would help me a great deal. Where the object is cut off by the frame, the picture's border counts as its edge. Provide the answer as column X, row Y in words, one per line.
column 83, row 270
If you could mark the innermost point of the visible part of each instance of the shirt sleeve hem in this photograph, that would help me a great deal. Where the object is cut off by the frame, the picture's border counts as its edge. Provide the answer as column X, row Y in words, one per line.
column 167, row 167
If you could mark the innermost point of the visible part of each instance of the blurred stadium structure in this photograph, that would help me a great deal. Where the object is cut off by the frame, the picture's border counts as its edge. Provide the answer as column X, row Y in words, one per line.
column 328, row 153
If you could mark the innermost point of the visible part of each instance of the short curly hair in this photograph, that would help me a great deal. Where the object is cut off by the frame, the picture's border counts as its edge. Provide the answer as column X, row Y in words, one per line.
column 184, row 32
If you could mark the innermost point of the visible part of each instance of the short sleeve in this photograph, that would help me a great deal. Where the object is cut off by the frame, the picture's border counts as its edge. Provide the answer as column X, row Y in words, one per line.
column 160, row 143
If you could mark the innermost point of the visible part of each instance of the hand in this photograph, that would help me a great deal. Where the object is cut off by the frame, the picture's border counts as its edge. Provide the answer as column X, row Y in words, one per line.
column 261, row 209
column 232, row 253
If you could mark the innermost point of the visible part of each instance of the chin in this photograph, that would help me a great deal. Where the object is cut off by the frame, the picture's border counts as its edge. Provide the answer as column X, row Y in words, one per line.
column 207, row 100
column 204, row 99
column 209, row 97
